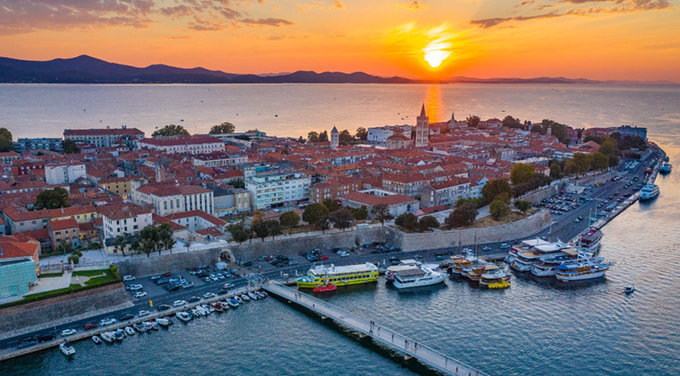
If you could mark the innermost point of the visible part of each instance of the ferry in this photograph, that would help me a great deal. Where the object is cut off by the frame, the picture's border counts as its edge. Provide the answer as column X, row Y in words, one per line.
column 494, row 278
column 408, row 264
column 649, row 192
column 580, row 271
column 665, row 168
column 589, row 241
column 531, row 251
column 547, row 264
column 422, row 276
column 338, row 275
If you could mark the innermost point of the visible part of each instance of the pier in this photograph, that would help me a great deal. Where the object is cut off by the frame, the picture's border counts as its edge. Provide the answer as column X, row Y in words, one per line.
column 366, row 328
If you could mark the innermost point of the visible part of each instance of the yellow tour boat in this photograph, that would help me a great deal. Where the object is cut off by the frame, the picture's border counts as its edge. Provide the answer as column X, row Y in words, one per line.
column 338, row 275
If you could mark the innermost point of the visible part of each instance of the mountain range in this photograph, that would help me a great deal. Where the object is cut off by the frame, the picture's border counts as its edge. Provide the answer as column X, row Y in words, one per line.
column 89, row 70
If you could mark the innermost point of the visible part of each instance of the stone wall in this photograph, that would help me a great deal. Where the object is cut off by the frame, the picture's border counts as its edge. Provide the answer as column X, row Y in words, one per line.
column 143, row 266
column 503, row 233
column 58, row 308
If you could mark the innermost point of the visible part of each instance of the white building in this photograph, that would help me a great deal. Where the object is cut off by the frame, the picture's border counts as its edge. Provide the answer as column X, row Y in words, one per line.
column 422, row 129
column 126, row 218
column 335, row 138
column 278, row 189
column 379, row 135
column 197, row 220
column 220, row 159
column 168, row 199
column 183, row 144
column 64, row 173
column 103, row 137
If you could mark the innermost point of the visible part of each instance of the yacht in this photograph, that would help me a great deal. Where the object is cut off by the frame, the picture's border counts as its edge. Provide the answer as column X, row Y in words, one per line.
column 119, row 334
column 67, row 349
column 129, row 331
column 580, row 271
column 245, row 298
column 253, row 296
column 665, row 168
column 494, row 278
column 183, row 316
column 546, row 265
column 460, row 262
column 338, row 275
column 649, row 192
column 140, row 327
column 589, row 241
column 418, row 277
column 163, row 322
column 408, row 264
column 523, row 256
column 233, row 302
column 108, row 337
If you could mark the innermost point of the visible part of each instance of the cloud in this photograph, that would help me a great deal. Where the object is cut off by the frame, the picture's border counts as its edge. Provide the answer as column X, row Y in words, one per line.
column 337, row 4
column 414, row 5
column 491, row 22
column 523, row 3
column 276, row 22
column 177, row 11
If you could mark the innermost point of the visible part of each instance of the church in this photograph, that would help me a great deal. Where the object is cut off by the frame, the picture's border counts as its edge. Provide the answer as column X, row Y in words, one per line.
column 418, row 138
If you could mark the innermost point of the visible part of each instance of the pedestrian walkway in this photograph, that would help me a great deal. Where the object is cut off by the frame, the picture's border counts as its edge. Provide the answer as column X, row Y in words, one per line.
column 407, row 346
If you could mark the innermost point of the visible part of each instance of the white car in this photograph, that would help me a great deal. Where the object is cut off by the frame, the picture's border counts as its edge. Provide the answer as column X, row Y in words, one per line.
column 128, row 278
column 68, row 332
column 178, row 303
column 135, row 287
column 143, row 313
column 140, row 294
column 107, row 321
column 208, row 295
column 228, row 286
column 505, row 246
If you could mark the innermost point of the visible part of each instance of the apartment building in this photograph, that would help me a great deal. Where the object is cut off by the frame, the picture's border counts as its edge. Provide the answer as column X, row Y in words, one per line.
column 183, row 144
column 278, row 189
column 167, row 199
column 64, row 173
column 103, row 137
column 332, row 188
column 124, row 218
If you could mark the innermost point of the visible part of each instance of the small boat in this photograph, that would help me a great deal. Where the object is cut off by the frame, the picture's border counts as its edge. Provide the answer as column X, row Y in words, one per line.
column 264, row 293
column 201, row 311
column 210, row 308
column 96, row 340
column 629, row 289
column 67, row 349
column 154, row 325
column 183, row 316
column 238, row 299
column 129, row 331
column 245, row 298
column 163, row 322
column 325, row 288
column 233, row 302
column 119, row 334
column 261, row 294
column 217, row 306
column 108, row 337
column 253, row 296
column 195, row 313
column 139, row 327
column 147, row 325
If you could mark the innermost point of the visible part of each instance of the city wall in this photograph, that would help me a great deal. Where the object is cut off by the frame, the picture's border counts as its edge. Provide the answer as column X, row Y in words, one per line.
column 142, row 266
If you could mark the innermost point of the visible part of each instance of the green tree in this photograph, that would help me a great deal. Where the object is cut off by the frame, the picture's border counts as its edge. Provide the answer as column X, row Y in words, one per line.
column 361, row 133
column 462, row 215
column 6, row 140
column 73, row 259
column 523, row 205
column 570, row 167
column 237, row 183
column 511, row 122
column 261, row 229
column 70, row 147
column 323, row 136
column 361, row 213
column 225, row 127
column 522, row 173
column 148, row 246
column 345, row 137
column 171, row 130
column 428, row 222
column 381, row 212
column 313, row 136
column 120, row 243
column 165, row 236
column 323, row 223
column 609, row 147
column 537, row 128
column 600, row 162
column 64, row 247
column 136, row 245
column 555, row 171
column 582, row 162
column 473, row 121
column 331, row 205
column 273, row 228
column 313, row 212
column 342, row 219
column 494, row 188
column 498, row 209
column 53, row 199
column 238, row 232
column 289, row 220
column 407, row 221
column 150, row 239
column 613, row 161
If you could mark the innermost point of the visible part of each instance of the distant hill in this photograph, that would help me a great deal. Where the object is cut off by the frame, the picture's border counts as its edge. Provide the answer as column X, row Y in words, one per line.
column 88, row 70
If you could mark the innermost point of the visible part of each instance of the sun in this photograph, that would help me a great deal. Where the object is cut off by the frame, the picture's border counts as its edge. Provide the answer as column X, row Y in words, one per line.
column 436, row 57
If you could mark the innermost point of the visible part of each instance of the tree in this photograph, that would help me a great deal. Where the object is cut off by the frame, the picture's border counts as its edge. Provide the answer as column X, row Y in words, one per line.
column 238, row 232
column 171, row 130
column 342, row 219
column 381, row 212
column 64, row 247
column 609, row 147
column 523, row 205
column 53, row 199
column 165, row 236
column 511, row 122
column 313, row 212
column 237, row 183
column 74, row 259
column 570, row 167
column 70, row 147
column 261, row 229
column 473, row 121
column 6, row 140
column 407, row 221
column 613, row 161
column 494, row 188
column 555, row 171
column 150, row 239
column 361, row 133
column 323, row 136
column 600, row 162
column 537, row 128
column 258, row 215
column 462, row 215
column 345, row 137
column 289, row 220
column 120, row 243
column 498, row 209
column 582, row 162
column 136, row 246
column 273, row 228
column 361, row 213
column 323, row 223
column 428, row 222
column 313, row 136
column 331, row 205
column 522, row 173
column 148, row 246
column 225, row 127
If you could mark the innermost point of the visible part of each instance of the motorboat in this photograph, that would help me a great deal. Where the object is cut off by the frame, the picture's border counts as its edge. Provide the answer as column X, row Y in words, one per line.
column 459, row 262
column 96, row 340
column 325, row 288
column 129, row 331
column 140, row 327
column 590, row 240
column 183, row 316
column 546, row 265
column 195, row 313
column 233, row 302
column 67, row 349
column 579, row 271
column 665, row 168
column 408, row 264
column 424, row 276
column 648, row 192
column 217, row 306
column 252, row 296
column 238, row 299
column 154, row 325
column 201, row 311
column 338, row 275
column 119, row 334
column 108, row 337
column 629, row 289
column 261, row 294
column 522, row 257
column 264, row 293
column 245, row 298
column 494, row 278
column 163, row 322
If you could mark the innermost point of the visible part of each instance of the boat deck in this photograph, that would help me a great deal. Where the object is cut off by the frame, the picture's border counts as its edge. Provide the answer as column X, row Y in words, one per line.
column 385, row 336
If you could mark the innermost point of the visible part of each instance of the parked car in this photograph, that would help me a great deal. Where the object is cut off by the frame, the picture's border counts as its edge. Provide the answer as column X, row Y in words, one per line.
column 68, row 332
column 162, row 307
column 90, row 325
column 222, row 292
column 208, row 295
column 107, row 321
column 173, row 288
column 155, row 278
column 178, row 303
column 193, row 299
column 505, row 246
column 140, row 294
column 247, row 264
column 324, row 257
column 27, row 342
column 187, row 285
column 135, row 287
column 228, row 286
column 486, row 248
column 145, row 312
column 46, row 337
column 168, row 274
column 127, row 316
column 128, row 278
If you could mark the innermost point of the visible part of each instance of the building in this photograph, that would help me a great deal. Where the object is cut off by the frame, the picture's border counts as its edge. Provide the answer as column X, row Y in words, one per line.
column 183, row 144
column 169, row 198
column 332, row 188
column 20, row 219
column 278, row 189
column 379, row 135
column 422, row 129
column 398, row 141
column 25, row 168
column 396, row 204
column 335, row 138
column 230, row 200
column 66, row 230
column 27, row 144
column 103, row 137
column 219, row 158
column 445, row 193
column 17, row 270
column 628, row 130
column 407, row 184
column 64, row 173
column 120, row 186
column 124, row 218
column 81, row 213
column 196, row 220
column 9, row 157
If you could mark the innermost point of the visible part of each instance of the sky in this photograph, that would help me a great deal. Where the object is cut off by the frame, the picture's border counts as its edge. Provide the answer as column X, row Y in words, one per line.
column 428, row 39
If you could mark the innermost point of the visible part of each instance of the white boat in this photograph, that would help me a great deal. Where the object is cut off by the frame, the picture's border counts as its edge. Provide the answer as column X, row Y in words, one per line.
column 238, row 299
column 580, row 271
column 649, row 192
column 665, row 168
column 494, row 278
column 201, row 311
column 119, row 334
column 419, row 277
column 129, row 331
column 629, row 289
column 210, row 308
column 245, row 298
column 261, row 294
column 67, row 349
column 183, row 316
column 252, row 295
column 108, row 337
column 96, row 340
column 523, row 256
column 264, row 293
column 233, row 302
column 140, row 327
column 546, row 265
column 590, row 240
column 163, row 322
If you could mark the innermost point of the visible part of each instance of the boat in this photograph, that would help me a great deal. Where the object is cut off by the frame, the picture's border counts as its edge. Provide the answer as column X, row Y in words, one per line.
column 119, row 334
column 183, row 316
column 264, row 293
column 494, row 278
column 233, row 302
column 325, row 288
column 245, row 298
column 649, row 192
column 590, row 240
column 460, row 262
column 260, row 294
column 210, row 308
column 139, row 327
column 665, row 168
column 67, row 349
column 96, row 340
column 129, row 331
column 154, row 325
column 238, row 299
column 529, row 252
column 338, row 275
column 579, row 271
column 407, row 264
column 108, row 337
column 195, row 313
column 629, row 289
column 201, row 311
column 546, row 265
column 163, row 322
column 253, row 296
column 218, row 307
column 423, row 276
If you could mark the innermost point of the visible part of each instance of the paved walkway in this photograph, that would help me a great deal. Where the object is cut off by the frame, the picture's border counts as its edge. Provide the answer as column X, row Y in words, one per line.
column 51, row 283
column 378, row 333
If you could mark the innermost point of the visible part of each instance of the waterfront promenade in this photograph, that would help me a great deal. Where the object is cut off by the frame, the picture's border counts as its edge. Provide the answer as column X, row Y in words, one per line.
column 385, row 336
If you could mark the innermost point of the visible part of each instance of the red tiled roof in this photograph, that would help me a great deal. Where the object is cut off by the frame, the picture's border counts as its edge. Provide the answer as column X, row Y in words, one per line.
column 63, row 224
column 372, row 200
column 9, row 249
column 158, row 220
column 122, row 211
column 181, row 140
column 198, row 213
column 92, row 132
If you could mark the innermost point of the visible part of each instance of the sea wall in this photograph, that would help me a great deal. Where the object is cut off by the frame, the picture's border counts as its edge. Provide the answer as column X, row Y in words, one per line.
column 142, row 266
column 54, row 309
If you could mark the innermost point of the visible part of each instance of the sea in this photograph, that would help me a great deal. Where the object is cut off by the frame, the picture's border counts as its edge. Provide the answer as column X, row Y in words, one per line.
column 533, row 328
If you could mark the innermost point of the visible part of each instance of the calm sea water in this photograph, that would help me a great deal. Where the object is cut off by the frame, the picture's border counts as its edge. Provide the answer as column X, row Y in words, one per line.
column 530, row 329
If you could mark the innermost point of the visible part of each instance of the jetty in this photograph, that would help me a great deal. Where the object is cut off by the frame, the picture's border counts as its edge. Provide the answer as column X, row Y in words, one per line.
column 411, row 348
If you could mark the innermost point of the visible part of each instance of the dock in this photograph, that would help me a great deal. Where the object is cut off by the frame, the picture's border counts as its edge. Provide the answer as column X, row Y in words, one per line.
column 378, row 333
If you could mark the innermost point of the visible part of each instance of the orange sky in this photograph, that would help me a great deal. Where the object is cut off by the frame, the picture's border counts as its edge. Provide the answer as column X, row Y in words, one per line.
column 598, row 39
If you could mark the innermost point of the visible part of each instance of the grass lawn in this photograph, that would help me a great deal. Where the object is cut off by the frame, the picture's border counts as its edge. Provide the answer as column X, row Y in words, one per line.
column 51, row 275
column 97, row 274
